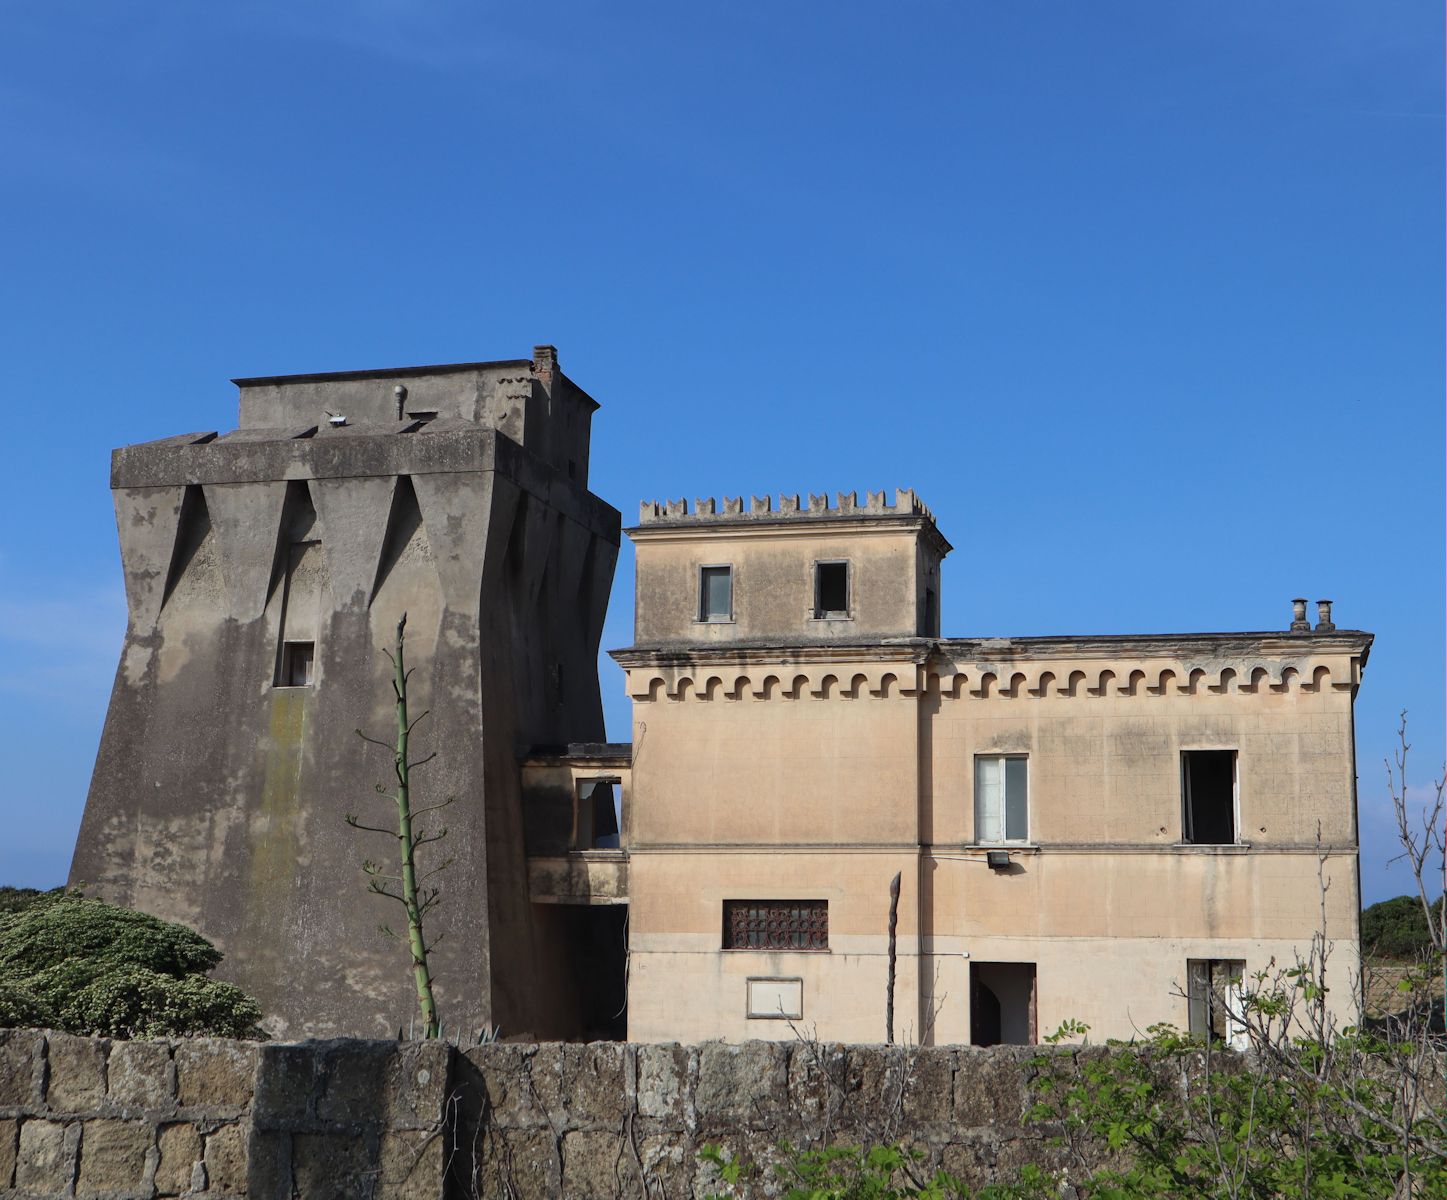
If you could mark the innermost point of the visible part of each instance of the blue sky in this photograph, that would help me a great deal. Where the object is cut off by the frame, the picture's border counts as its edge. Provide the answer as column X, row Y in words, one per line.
column 1145, row 299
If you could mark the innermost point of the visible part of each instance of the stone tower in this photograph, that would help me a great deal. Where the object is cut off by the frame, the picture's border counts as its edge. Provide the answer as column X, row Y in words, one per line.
column 265, row 572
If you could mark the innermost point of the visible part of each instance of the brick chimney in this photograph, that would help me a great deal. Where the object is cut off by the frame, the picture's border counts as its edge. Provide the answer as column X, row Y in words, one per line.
column 545, row 363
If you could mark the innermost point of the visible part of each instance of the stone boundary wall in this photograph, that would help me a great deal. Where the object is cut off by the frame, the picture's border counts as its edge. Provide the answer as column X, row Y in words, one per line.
column 116, row 1120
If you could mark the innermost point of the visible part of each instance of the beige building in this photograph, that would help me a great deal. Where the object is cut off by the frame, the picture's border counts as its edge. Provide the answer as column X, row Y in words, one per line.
column 1099, row 828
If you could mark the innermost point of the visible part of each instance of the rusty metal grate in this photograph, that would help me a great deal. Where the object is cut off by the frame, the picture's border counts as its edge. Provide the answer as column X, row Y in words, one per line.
column 776, row 925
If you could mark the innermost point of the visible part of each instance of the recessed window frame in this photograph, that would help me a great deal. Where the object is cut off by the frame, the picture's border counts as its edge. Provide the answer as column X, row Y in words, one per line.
column 303, row 649
column 1004, row 758
column 813, row 933
column 1187, row 823
column 586, row 784
column 1204, row 993
column 820, row 613
column 701, row 613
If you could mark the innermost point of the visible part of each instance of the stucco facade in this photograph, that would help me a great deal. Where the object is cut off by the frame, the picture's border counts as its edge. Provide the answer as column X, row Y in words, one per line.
column 785, row 756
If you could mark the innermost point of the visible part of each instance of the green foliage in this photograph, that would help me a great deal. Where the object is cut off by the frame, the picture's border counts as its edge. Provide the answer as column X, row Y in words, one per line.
column 88, row 967
column 1179, row 1122
column 13, row 899
column 67, row 926
column 21, row 1008
column 1397, row 928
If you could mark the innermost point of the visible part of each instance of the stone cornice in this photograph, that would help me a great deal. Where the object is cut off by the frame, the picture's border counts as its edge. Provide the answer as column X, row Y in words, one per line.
column 1004, row 668
column 1116, row 647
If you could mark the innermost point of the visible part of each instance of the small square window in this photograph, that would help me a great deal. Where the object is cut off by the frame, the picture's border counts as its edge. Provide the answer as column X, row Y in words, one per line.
column 1001, row 798
column 716, row 594
column 1208, row 787
column 831, row 589
column 297, row 664
column 1214, row 993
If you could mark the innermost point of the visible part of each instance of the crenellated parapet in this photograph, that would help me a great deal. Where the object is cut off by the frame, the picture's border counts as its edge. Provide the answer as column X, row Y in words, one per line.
column 791, row 507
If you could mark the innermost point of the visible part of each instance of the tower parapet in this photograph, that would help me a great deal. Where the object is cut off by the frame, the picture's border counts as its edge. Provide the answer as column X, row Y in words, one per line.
column 791, row 506
column 723, row 573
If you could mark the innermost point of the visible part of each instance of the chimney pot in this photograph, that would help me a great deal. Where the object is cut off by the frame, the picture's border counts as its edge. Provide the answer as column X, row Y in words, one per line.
column 545, row 359
column 1299, row 623
column 1323, row 617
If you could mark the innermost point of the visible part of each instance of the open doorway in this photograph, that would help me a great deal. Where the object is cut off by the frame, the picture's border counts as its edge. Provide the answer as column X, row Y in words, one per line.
column 1002, row 1004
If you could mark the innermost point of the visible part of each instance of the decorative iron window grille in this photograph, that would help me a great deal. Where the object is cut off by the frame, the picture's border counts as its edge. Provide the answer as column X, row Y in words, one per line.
column 776, row 925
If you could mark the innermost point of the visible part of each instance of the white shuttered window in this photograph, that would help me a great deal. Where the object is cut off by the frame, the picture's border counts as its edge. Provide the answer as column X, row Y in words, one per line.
column 1001, row 798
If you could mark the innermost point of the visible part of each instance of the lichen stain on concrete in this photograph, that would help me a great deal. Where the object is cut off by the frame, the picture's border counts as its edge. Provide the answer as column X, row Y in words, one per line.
column 274, row 846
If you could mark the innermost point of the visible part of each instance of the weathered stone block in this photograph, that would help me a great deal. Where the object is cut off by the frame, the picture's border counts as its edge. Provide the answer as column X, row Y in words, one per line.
column 285, row 1086
column 224, row 1156
column 594, row 1166
column 1033, row 1147
column 9, row 1143
column 180, row 1150
column 668, row 1164
column 215, row 1074
column 820, row 1084
column 140, row 1075
column 77, row 1072
column 544, row 1080
column 113, row 1157
column 970, row 1158
column 594, row 1083
column 741, row 1084
column 518, row 1162
column 20, row 1052
column 504, row 1071
column 928, row 1088
column 662, row 1082
column 267, row 1157
column 417, row 1083
column 352, row 1079
column 413, row 1166
column 990, row 1086
column 45, row 1161
column 332, row 1166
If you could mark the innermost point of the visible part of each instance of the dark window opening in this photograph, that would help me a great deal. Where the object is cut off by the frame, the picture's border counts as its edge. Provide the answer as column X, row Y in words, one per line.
column 716, row 594
column 831, row 589
column 596, row 816
column 1213, row 991
column 931, row 613
column 1208, row 783
column 776, row 925
column 422, row 416
column 1002, row 1004
column 297, row 659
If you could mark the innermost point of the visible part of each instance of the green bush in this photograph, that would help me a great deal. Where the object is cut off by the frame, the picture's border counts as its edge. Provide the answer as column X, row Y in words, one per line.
column 13, row 899
column 1397, row 928
column 21, row 1008
column 88, row 967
